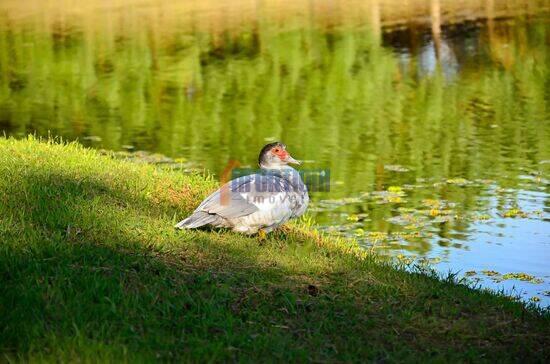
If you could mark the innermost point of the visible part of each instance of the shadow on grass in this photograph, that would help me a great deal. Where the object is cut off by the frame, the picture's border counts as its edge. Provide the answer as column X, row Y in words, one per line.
column 80, row 259
column 87, row 269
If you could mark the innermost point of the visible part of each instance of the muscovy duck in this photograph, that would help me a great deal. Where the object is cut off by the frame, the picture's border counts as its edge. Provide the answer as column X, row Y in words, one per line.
column 257, row 203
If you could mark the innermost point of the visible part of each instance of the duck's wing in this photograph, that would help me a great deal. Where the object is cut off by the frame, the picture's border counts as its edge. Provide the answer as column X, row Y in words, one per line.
column 228, row 201
column 235, row 199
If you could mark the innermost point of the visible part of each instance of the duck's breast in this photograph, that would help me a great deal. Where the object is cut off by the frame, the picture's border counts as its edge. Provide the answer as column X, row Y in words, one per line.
column 273, row 209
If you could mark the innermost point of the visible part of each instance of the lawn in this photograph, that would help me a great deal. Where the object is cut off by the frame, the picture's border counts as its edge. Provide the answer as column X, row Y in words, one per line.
column 91, row 268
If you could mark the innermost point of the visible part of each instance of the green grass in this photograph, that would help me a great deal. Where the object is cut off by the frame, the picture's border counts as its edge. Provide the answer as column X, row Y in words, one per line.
column 92, row 269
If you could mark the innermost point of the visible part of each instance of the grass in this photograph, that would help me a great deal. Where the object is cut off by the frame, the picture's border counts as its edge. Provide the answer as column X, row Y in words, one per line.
column 92, row 269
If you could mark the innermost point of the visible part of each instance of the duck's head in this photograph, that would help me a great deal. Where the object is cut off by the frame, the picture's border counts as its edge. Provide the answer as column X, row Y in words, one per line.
column 275, row 156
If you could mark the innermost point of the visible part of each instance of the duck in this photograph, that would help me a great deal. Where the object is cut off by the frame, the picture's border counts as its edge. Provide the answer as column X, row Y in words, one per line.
column 255, row 203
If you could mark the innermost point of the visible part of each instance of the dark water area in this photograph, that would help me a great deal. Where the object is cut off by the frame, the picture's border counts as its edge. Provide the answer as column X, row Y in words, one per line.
column 437, row 146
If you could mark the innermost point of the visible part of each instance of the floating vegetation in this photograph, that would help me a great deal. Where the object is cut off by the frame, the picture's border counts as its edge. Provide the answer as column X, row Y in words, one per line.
column 356, row 217
column 485, row 181
column 332, row 204
column 458, row 181
column 421, row 262
column 522, row 277
column 343, row 201
column 481, row 217
column 395, row 189
column 490, row 273
column 515, row 212
column 535, row 299
column 428, row 261
column 498, row 277
column 376, row 236
column 431, row 203
column 394, row 194
column 396, row 168
column 438, row 208
column 406, row 220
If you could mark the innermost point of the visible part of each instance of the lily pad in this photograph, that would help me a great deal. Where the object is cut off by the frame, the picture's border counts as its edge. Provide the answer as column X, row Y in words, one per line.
column 396, row 168
column 458, row 181
column 522, row 277
column 490, row 273
column 515, row 212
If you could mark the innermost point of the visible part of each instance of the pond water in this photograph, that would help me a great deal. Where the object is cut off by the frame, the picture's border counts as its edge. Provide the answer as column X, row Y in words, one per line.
column 437, row 146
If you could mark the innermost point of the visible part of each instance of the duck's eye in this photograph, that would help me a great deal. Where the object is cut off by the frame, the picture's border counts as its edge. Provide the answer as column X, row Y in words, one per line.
column 276, row 150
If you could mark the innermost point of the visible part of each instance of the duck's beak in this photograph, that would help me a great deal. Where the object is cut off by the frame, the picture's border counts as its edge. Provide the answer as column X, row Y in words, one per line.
column 291, row 160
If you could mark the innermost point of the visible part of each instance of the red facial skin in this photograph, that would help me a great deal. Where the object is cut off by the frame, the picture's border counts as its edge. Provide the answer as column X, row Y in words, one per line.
column 280, row 152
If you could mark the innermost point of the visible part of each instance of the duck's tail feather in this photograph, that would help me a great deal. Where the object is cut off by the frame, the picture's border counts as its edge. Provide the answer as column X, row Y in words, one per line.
column 198, row 219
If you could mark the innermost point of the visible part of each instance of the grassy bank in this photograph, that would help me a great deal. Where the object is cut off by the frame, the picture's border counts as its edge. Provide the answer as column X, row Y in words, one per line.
column 91, row 268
